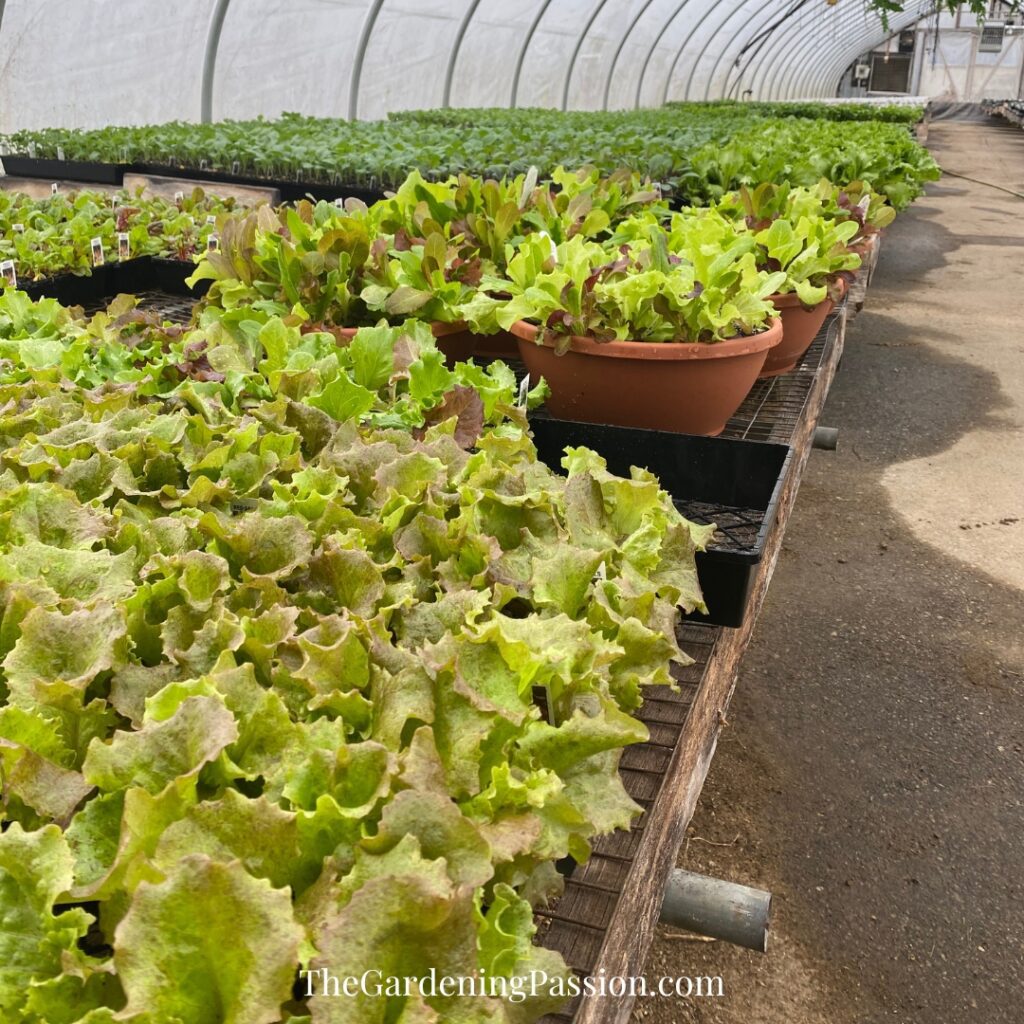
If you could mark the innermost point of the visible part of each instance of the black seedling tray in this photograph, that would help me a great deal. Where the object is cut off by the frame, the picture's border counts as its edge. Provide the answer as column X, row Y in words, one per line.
column 19, row 165
column 74, row 289
column 155, row 274
column 144, row 274
column 734, row 484
column 290, row 191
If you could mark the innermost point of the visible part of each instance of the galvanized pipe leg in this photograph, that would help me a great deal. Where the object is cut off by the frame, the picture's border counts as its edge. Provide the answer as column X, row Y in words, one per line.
column 720, row 910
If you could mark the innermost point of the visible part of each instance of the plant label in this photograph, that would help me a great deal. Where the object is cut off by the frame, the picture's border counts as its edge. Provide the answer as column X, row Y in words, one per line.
column 524, row 390
column 211, row 219
column 235, row 166
column 179, row 197
column 123, row 246
column 60, row 153
column 18, row 228
column 53, row 189
column 212, row 244
column 98, row 259
column 339, row 203
column 10, row 275
column 554, row 248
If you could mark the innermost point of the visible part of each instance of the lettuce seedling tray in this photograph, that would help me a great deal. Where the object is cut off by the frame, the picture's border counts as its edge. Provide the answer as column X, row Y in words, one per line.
column 732, row 483
column 290, row 191
column 94, row 289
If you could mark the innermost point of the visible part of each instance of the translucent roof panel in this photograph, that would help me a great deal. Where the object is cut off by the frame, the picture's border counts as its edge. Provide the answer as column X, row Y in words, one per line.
column 69, row 63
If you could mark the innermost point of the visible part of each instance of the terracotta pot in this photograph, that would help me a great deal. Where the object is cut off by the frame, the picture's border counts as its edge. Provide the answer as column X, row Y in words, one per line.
column 865, row 248
column 800, row 326
column 454, row 340
column 502, row 345
column 683, row 387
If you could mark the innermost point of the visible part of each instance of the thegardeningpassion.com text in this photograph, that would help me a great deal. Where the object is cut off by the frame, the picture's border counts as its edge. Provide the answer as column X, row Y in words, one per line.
column 515, row 989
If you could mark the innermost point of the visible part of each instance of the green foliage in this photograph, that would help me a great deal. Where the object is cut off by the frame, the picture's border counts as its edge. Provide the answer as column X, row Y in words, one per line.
column 645, row 286
column 54, row 235
column 272, row 617
column 674, row 145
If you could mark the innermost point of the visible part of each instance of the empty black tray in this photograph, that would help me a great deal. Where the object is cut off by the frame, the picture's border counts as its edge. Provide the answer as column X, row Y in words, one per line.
column 735, row 484
column 86, row 171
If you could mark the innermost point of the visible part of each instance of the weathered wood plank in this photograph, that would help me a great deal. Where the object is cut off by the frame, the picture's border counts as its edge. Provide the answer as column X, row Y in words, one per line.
column 631, row 928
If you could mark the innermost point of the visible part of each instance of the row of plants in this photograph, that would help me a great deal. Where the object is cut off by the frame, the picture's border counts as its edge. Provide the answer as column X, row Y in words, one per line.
column 57, row 234
column 897, row 113
column 556, row 263
column 275, row 613
column 676, row 146
column 583, row 262
column 306, row 660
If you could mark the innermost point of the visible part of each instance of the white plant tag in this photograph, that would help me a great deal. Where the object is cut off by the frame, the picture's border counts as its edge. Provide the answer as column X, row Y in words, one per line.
column 235, row 167
column 32, row 150
column 601, row 573
column 123, row 246
column 524, row 390
column 212, row 244
column 211, row 219
column 53, row 189
column 60, row 152
column 98, row 259
column 339, row 203
column 179, row 197
column 17, row 228
column 10, row 275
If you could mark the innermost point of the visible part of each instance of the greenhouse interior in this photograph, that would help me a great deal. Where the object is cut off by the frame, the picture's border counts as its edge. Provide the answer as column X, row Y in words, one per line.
column 372, row 652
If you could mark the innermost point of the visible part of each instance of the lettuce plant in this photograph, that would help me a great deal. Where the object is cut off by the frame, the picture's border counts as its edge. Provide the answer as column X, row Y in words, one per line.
column 51, row 236
column 428, row 279
column 639, row 292
column 308, row 260
column 268, row 670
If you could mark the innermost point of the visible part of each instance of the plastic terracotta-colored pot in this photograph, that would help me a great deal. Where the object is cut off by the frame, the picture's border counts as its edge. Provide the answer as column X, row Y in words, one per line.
column 799, row 328
column 454, row 340
column 683, row 387
column 502, row 345
column 865, row 248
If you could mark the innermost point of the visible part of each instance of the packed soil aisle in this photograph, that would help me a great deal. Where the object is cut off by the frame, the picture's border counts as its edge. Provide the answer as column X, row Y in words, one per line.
column 872, row 777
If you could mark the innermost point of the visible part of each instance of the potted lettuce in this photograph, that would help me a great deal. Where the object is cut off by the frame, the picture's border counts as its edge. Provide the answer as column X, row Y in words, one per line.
column 430, row 279
column 636, row 335
column 805, row 234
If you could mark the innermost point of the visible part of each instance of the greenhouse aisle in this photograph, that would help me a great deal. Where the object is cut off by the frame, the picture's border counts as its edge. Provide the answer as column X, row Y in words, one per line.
column 873, row 774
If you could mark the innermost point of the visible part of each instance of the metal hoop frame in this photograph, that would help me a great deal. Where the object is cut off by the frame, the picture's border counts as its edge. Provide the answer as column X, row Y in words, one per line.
column 654, row 46
column 220, row 11
column 453, row 53
column 725, row 48
column 571, row 67
column 521, row 55
column 618, row 51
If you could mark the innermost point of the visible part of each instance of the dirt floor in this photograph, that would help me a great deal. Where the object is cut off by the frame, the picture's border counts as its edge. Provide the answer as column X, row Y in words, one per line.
column 873, row 774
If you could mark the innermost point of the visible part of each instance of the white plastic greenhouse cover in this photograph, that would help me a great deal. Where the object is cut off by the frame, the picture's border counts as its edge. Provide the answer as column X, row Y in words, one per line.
column 89, row 63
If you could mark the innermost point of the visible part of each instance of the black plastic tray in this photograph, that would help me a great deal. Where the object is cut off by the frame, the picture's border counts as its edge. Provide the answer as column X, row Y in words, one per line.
column 74, row 289
column 290, row 191
column 143, row 274
column 735, row 484
column 19, row 165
